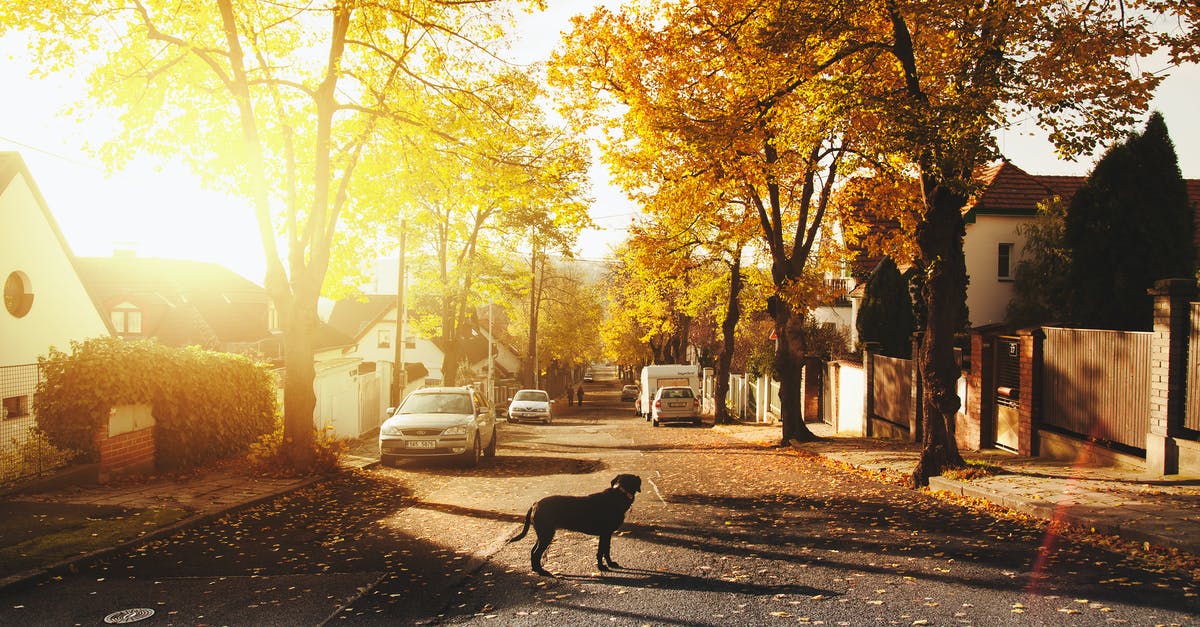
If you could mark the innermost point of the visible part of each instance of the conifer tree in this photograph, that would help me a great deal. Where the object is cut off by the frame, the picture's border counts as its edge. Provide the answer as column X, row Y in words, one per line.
column 1127, row 227
column 886, row 316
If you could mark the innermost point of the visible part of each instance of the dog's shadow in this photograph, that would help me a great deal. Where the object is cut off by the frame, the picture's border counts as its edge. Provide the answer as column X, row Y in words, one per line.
column 667, row 580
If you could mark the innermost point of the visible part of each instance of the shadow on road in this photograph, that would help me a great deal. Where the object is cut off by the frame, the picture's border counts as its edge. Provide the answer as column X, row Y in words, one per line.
column 504, row 466
column 666, row 580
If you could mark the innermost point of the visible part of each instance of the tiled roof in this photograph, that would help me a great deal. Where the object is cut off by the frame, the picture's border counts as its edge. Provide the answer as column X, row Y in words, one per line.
column 183, row 302
column 1009, row 190
column 353, row 316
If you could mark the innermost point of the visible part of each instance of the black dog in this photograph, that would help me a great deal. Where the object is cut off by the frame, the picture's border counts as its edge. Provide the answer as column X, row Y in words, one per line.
column 597, row 514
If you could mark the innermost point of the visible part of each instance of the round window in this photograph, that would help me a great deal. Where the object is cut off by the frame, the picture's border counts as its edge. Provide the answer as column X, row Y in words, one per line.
column 18, row 297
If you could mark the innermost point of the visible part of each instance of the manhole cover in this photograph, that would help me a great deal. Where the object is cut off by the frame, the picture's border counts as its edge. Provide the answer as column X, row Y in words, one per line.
column 129, row 616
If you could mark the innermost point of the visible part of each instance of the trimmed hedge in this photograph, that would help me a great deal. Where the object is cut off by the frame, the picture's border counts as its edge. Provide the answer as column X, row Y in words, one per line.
column 207, row 406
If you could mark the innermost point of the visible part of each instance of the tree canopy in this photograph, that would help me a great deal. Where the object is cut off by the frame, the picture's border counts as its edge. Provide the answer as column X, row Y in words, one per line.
column 282, row 105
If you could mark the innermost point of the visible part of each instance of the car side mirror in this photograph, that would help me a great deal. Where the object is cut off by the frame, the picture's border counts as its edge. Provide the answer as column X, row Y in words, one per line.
column 389, row 412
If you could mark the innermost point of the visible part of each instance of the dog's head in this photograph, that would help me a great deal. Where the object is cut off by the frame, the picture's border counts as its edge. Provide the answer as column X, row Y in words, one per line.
column 629, row 484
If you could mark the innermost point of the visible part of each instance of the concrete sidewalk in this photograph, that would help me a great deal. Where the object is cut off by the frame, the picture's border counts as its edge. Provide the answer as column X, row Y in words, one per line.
column 1163, row 511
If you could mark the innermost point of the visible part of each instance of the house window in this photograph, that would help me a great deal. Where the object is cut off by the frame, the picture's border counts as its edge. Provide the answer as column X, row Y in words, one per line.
column 1004, row 262
column 18, row 297
column 16, row 407
column 127, row 319
column 410, row 342
column 272, row 317
column 385, row 338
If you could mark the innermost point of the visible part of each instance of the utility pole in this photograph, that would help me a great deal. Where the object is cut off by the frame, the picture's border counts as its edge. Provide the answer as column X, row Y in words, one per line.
column 491, row 360
column 401, row 372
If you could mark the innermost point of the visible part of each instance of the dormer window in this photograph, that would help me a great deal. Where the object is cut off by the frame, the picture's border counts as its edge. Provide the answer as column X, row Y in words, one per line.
column 126, row 319
column 385, row 338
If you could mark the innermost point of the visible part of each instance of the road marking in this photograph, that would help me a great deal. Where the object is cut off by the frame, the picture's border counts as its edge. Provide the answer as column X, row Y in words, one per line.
column 656, row 492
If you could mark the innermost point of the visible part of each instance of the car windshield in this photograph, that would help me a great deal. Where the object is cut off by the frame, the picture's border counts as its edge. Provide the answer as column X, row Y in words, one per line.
column 677, row 393
column 531, row 395
column 438, row 403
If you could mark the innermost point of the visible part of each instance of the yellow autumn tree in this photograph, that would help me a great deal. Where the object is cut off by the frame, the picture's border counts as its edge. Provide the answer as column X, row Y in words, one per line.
column 277, row 103
column 715, row 93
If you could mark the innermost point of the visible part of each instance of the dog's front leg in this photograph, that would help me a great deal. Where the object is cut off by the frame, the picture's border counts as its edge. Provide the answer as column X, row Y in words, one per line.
column 603, row 553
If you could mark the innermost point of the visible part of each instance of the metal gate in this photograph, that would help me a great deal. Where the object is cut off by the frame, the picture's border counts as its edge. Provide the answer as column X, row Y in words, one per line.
column 1007, row 420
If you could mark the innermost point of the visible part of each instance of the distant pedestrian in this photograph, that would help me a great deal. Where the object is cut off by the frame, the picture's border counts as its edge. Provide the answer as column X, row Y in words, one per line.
column 579, row 395
column 570, row 393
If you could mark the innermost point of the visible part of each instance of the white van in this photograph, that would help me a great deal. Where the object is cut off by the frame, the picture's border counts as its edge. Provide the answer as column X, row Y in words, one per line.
column 660, row 375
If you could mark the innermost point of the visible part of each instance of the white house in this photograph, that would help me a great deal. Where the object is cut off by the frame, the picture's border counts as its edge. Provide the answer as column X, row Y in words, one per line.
column 45, row 302
column 371, row 322
column 992, row 246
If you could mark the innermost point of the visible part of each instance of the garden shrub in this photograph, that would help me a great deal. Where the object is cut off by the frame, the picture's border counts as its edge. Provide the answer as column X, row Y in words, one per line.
column 206, row 405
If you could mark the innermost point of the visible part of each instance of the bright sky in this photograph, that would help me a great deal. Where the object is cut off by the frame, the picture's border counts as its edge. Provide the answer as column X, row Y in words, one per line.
column 160, row 211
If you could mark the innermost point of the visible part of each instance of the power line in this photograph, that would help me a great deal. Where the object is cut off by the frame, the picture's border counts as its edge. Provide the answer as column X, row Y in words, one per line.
column 51, row 153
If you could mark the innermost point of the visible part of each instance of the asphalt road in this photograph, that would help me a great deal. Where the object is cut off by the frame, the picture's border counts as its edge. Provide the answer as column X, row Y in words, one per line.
column 726, row 532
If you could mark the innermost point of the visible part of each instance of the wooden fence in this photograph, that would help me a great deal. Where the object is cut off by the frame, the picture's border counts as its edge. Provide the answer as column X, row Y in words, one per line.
column 1097, row 384
column 892, row 392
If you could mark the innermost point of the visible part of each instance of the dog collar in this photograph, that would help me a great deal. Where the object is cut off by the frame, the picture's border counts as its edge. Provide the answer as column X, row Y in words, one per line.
column 625, row 492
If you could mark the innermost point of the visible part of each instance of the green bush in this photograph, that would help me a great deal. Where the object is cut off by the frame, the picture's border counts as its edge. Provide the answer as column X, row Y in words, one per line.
column 206, row 405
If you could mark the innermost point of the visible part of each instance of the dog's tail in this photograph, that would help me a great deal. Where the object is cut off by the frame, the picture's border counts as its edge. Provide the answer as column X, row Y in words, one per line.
column 524, row 530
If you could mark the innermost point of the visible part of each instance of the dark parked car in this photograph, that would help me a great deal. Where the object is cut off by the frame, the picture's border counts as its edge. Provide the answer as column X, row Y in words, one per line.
column 629, row 393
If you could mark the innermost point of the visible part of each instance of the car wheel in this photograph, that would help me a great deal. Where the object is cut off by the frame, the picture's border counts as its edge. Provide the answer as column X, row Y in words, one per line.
column 471, row 457
column 655, row 422
column 490, row 451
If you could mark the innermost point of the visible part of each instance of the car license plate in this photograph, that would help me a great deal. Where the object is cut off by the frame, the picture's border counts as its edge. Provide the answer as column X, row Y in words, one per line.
column 422, row 444
column 676, row 404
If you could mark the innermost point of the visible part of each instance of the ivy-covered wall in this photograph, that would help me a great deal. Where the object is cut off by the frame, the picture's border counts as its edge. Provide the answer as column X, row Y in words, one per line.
column 207, row 406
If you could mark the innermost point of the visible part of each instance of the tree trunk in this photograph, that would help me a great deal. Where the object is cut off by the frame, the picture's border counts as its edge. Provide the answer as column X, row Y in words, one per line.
column 299, row 399
column 940, row 237
column 728, row 328
column 789, row 369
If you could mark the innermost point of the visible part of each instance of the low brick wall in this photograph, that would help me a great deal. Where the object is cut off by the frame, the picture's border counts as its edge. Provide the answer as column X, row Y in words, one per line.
column 126, row 443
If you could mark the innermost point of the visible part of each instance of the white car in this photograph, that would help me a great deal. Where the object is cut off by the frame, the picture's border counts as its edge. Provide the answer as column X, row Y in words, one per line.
column 433, row 422
column 530, row 405
column 675, row 404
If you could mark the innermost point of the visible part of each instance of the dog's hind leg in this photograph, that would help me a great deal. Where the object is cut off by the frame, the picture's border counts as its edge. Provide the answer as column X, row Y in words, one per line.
column 603, row 553
column 544, row 537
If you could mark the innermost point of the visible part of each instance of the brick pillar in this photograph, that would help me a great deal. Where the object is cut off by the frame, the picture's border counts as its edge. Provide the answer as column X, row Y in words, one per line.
column 126, row 442
column 1168, row 373
column 1030, row 401
column 981, row 393
column 869, row 349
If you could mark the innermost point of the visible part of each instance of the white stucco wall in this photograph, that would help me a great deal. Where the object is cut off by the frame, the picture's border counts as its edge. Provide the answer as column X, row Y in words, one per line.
column 988, row 296
column 851, row 392
column 840, row 317
column 336, row 387
column 62, row 310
